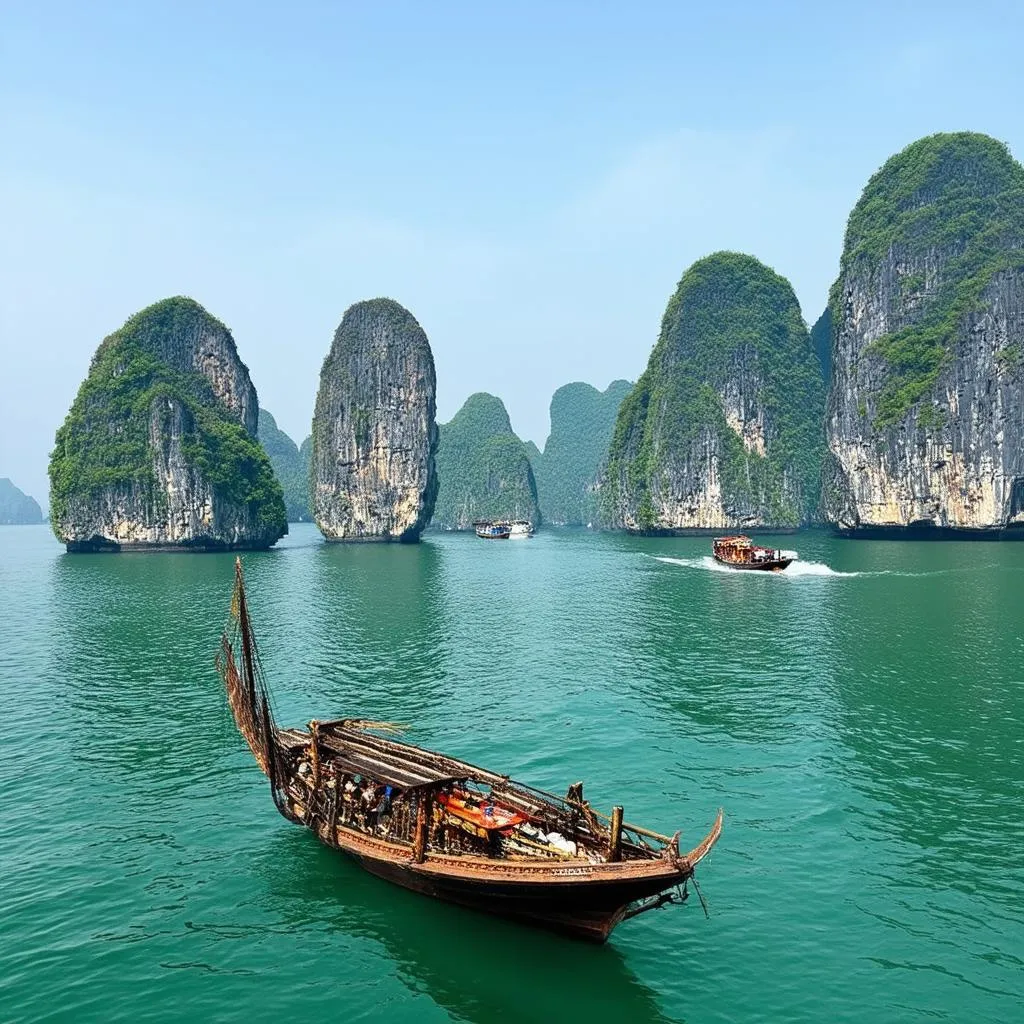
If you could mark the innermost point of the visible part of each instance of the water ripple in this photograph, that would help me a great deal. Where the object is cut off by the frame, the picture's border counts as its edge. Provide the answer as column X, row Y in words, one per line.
column 860, row 723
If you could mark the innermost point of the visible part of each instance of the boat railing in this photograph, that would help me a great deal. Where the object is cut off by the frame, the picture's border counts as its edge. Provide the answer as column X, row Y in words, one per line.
column 532, row 800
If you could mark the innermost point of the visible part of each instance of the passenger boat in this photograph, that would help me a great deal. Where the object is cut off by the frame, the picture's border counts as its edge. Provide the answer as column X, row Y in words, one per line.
column 446, row 828
column 742, row 553
column 492, row 531
column 520, row 529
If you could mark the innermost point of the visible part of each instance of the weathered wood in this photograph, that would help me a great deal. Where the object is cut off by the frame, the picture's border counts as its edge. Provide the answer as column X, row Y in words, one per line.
column 314, row 752
column 419, row 849
column 615, row 836
column 524, row 853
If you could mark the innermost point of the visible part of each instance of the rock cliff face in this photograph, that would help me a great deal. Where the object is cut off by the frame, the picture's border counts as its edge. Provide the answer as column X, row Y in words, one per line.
column 483, row 468
column 925, row 416
column 291, row 470
column 372, row 473
column 16, row 507
column 582, row 421
column 723, row 429
column 159, row 449
column 821, row 342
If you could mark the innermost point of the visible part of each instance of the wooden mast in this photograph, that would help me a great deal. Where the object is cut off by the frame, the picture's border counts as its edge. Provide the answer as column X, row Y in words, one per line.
column 615, row 835
column 246, row 694
column 314, row 751
column 243, row 626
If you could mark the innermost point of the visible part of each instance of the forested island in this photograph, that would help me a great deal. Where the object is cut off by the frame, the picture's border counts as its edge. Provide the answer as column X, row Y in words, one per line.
column 159, row 449
column 483, row 468
column 925, row 418
column 723, row 429
column 16, row 507
column 291, row 466
column 582, row 421
column 900, row 412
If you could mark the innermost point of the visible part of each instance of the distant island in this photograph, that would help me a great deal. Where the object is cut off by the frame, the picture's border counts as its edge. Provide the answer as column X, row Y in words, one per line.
column 723, row 429
column 483, row 468
column 899, row 413
column 16, row 507
column 925, row 417
column 582, row 421
column 291, row 467
column 159, row 450
column 373, row 475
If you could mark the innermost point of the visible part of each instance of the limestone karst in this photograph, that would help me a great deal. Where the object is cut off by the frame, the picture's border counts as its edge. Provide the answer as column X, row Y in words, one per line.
column 16, row 507
column 582, row 421
column 483, row 468
column 372, row 473
column 291, row 470
column 925, row 415
column 159, row 449
column 723, row 428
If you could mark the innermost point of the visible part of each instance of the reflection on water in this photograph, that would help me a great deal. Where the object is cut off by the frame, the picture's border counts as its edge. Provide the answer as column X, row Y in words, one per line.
column 127, row 631
column 932, row 713
column 477, row 967
column 861, row 729
column 733, row 650
column 376, row 613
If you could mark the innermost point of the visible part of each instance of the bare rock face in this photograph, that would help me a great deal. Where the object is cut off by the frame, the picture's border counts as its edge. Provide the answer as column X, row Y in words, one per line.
column 158, row 451
column 374, row 432
column 723, row 428
column 925, row 415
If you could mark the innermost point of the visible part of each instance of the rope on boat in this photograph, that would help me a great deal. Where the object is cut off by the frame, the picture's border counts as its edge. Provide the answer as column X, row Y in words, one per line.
column 700, row 896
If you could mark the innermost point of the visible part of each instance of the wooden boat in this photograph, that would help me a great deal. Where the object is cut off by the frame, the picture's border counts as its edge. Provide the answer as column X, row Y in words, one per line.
column 742, row 553
column 446, row 828
column 492, row 531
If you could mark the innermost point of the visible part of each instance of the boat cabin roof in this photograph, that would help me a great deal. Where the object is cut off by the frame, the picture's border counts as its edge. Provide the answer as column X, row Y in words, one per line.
column 736, row 542
column 390, row 774
column 381, row 766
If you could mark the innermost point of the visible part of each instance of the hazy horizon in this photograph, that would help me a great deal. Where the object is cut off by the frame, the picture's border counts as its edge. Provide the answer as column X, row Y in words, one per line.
column 530, row 184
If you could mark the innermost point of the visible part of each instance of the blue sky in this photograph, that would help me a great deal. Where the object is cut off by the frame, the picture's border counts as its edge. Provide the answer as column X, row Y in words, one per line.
column 530, row 180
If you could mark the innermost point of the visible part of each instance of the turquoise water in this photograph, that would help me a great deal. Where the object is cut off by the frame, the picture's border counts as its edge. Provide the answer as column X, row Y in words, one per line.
column 862, row 724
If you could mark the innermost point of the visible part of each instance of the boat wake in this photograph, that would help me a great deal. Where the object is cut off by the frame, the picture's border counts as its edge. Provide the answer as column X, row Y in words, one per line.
column 814, row 569
column 798, row 568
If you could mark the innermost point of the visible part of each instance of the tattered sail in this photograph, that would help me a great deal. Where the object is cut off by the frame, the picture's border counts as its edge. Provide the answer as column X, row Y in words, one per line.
column 447, row 828
column 243, row 680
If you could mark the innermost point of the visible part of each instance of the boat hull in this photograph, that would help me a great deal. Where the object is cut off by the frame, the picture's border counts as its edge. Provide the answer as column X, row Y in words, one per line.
column 771, row 565
column 588, row 912
column 444, row 827
column 576, row 898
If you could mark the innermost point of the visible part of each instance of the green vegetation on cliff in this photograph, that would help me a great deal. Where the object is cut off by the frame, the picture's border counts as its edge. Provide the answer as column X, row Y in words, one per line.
column 16, row 507
column 290, row 468
column 483, row 468
column 105, row 440
column 821, row 342
column 958, row 198
column 582, row 421
column 731, row 323
column 306, row 458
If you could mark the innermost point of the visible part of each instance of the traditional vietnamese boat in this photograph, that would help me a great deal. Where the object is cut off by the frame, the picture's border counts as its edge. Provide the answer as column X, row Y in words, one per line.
column 492, row 531
column 447, row 828
column 742, row 553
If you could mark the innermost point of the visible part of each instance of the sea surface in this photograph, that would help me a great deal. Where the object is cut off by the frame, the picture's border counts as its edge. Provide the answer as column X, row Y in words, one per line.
column 860, row 718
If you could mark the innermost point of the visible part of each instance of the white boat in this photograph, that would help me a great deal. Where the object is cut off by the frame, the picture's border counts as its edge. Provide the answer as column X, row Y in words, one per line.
column 520, row 529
